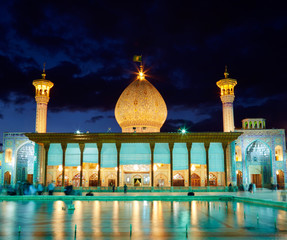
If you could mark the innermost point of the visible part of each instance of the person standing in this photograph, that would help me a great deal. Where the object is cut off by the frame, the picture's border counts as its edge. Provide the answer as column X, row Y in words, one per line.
column 125, row 188
column 40, row 189
column 51, row 188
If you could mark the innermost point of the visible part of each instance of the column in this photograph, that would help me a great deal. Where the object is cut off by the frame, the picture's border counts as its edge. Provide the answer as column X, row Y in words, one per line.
column 171, row 163
column 188, row 146
column 46, row 147
column 82, row 148
column 64, row 148
column 206, row 146
column 224, row 146
column 152, row 145
column 99, row 145
column 118, row 145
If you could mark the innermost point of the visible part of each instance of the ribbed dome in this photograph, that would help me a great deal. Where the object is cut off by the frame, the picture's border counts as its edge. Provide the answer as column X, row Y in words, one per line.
column 140, row 107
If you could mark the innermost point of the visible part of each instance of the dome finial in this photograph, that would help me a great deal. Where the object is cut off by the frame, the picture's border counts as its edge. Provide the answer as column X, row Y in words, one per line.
column 226, row 73
column 141, row 75
column 44, row 74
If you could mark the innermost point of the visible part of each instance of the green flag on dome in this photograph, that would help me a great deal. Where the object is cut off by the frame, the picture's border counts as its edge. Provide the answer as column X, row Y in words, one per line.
column 137, row 58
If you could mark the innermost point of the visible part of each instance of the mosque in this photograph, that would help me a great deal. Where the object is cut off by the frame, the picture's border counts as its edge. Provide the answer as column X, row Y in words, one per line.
column 142, row 156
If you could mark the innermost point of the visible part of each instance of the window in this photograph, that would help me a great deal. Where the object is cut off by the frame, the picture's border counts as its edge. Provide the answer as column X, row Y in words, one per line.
column 278, row 153
column 8, row 155
column 238, row 155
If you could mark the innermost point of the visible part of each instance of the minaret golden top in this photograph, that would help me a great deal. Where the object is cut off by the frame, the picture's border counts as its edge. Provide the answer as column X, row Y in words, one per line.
column 226, row 84
column 42, row 87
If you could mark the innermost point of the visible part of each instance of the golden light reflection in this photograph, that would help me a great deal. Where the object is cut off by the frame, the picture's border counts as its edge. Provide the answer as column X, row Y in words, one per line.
column 116, row 216
column 193, row 213
column 58, row 219
column 157, row 226
column 136, row 217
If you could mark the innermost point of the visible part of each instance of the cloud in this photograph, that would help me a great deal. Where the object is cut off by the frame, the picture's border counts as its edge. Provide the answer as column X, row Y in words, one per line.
column 94, row 119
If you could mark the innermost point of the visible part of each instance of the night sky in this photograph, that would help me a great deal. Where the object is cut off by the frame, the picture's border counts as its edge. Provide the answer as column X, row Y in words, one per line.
column 88, row 47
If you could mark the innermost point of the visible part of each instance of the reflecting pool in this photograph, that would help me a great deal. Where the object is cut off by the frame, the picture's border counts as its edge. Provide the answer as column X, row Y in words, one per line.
column 146, row 219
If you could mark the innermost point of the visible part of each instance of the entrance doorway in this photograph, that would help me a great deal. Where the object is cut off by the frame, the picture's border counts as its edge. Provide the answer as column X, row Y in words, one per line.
column 195, row 180
column 239, row 178
column 7, row 178
column 178, row 180
column 76, row 180
column 111, row 182
column 257, row 180
column 160, row 182
column 212, row 180
column 137, row 182
column 280, row 179
column 93, row 181
column 25, row 162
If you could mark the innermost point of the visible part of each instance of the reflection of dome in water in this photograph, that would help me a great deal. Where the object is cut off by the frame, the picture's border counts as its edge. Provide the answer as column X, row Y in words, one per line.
column 140, row 107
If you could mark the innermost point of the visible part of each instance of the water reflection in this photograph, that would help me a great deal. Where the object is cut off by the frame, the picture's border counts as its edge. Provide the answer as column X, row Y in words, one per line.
column 149, row 219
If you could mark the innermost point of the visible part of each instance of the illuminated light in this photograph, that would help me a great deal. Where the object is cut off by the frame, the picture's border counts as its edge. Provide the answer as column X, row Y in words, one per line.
column 154, row 167
column 277, row 172
column 192, row 168
column 60, row 168
column 97, row 168
column 236, row 171
column 79, row 168
column 182, row 130
column 116, row 168
column 78, row 132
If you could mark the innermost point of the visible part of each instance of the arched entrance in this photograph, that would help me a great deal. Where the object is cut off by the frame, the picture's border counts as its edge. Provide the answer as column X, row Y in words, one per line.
column 93, row 180
column 137, row 180
column 212, row 180
column 59, row 181
column 161, row 180
column 280, row 179
column 7, row 178
column 111, row 179
column 258, row 161
column 25, row 163
column 178, row 180
column 76, row 180
column 195, row 180
column 239, row 178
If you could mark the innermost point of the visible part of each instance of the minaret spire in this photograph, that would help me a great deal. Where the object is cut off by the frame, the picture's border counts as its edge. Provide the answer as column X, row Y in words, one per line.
column 42, row 97
column 44, row 74
column 226, row 86
column 226, row 74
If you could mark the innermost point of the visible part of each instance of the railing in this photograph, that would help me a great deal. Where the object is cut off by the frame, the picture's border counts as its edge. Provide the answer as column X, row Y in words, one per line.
column 149, row 189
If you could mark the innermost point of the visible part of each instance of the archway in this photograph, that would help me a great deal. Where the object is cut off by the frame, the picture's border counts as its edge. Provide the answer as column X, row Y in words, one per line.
column 280, row 179
column 59, row 181
column 25, row 163
column 111, row 180
column 195, row 180
column 212, row 180
column 239, row 178
column 7, row 178
column 161, row 180
column 258, row 159
column 178, row 180
column 93, row 180
column 76, row 180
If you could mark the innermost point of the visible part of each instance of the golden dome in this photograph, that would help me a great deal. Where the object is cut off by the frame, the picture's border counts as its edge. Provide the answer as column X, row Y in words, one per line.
column 140, row 107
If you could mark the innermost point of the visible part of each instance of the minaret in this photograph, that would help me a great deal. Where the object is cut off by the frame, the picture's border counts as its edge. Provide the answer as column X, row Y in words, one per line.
column 42, row 87
column 226, row 86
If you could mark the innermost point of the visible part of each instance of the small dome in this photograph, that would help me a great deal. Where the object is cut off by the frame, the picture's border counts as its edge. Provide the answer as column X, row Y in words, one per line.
column 140, row 107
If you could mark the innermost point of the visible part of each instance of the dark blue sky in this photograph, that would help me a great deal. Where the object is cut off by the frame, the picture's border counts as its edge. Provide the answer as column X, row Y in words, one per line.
column 89, row 45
